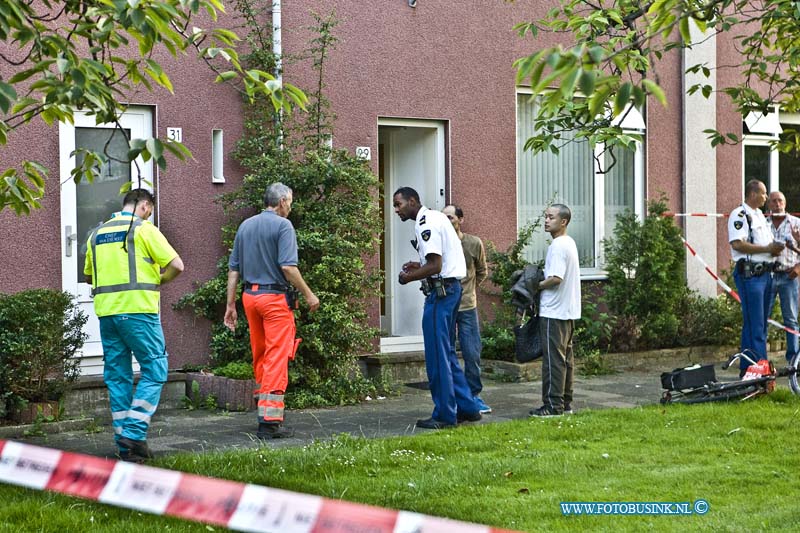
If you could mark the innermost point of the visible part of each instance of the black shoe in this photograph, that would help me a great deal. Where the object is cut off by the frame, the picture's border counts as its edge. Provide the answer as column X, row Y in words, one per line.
column 273, row 431
column 568, row 409
column 136, row 447
column 432, row 423
column 544, row 411
column 128, row 457
column 468, row 417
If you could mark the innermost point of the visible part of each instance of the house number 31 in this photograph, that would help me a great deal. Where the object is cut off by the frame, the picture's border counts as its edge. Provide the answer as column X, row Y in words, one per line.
column 175, row 134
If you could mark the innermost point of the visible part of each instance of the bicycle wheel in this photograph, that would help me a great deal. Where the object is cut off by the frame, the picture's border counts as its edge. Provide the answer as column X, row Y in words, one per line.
column 793, row 383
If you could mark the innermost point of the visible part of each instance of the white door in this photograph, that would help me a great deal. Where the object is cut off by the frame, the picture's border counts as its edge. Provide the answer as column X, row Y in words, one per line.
column 414, row 152
column 85, row 205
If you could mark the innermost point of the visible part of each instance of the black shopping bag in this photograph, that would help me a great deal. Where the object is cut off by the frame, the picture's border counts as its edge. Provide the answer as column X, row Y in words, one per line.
column 527, row 343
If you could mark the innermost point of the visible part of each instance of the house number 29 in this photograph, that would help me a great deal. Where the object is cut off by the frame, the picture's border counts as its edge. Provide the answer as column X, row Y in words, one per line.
column 364, row 152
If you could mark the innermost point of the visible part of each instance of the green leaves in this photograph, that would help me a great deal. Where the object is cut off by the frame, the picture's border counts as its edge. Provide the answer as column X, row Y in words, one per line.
column 587, row 81
column 653, row 88
column 22, row 192
column 617, row 47
column 7, row 96
column 622, row 97
column 83, row 68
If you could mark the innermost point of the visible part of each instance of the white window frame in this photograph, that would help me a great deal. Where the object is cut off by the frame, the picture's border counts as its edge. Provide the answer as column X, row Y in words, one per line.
column 217, row 155
column 599, row 201
column 764, row 139
column 597, row 273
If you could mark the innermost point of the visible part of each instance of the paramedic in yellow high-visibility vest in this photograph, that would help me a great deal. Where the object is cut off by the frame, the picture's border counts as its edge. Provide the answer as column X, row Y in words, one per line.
column 124, row 263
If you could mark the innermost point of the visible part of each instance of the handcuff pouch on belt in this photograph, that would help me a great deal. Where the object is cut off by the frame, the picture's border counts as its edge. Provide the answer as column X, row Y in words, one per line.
column 429, row 285
column 751, row 269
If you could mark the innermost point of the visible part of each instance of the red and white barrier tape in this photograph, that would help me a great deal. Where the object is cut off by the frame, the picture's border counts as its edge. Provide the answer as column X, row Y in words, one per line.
column 784, row 328
column 716, row 215
column 238, row 506
column 732, row 293
column 712, row 215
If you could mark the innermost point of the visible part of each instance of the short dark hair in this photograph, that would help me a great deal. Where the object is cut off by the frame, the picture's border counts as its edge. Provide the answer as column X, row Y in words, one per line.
column 752, row 186
column 458, row 210
column 137, row 195
column 407, row 193
column 563, row 212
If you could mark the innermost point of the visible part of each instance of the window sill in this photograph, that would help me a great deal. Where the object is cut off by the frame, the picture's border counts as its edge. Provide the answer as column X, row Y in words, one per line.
column 593, row 274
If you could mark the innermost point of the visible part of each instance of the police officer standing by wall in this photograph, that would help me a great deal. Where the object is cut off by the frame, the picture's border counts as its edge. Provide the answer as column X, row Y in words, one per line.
column 124, row 259
column 467, row 323
column 264, row 257
column 753, row 251
column 441, row 265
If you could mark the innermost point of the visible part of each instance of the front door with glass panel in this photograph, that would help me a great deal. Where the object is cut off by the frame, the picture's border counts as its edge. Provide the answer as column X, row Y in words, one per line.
column 413, row 153
column 86, row 205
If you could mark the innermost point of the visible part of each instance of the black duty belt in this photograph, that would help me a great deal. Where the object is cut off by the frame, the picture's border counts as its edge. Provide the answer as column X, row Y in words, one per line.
column 754, row 268
column 446, row 281
column 255, row 287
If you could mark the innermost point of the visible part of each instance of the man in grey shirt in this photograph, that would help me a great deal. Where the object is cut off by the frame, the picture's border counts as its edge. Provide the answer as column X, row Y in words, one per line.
column 264, row 257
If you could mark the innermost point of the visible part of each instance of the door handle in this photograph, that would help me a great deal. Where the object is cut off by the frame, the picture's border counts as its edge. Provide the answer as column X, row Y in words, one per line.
column 69, row 238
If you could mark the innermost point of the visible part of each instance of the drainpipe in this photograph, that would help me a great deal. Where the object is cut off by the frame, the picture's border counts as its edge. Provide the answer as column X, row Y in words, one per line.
column 277, row 52
column 276, row 39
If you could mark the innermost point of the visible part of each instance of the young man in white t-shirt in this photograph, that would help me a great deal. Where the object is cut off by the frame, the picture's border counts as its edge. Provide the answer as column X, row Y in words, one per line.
column 560, row 306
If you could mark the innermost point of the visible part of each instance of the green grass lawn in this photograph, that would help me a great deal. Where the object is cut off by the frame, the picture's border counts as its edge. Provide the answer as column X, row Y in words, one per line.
column 743, row 459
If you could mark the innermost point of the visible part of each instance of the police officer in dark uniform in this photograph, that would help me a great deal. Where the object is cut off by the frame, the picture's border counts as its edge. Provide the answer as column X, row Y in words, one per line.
column 753, row 252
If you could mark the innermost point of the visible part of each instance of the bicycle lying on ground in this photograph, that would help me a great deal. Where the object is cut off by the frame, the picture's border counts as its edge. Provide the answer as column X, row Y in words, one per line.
column 698, row 383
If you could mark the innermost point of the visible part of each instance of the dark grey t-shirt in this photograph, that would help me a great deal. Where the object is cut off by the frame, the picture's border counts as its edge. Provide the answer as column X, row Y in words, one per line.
column 263, row 244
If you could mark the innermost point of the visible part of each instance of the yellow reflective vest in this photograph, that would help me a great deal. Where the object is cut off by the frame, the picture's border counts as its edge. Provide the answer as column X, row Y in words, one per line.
column 126, row 279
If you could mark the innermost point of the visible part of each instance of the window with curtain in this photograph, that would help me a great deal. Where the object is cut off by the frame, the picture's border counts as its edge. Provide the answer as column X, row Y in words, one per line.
column 572, row 178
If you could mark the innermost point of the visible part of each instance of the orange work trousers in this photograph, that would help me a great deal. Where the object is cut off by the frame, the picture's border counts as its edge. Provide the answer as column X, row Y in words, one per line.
column 272, row 338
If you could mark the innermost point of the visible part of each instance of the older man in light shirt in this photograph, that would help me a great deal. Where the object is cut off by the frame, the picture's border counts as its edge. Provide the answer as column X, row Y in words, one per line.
column 784, row 282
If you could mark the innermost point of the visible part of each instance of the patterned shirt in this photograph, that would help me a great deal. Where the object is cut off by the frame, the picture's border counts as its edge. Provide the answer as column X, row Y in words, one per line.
column 783, row 233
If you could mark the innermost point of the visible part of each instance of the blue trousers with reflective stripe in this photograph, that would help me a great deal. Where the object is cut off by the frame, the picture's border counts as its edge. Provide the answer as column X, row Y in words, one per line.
column 448, row 385
column 139, row 335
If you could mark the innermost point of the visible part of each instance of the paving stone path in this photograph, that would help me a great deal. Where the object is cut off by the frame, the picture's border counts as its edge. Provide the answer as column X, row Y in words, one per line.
column 175, row 431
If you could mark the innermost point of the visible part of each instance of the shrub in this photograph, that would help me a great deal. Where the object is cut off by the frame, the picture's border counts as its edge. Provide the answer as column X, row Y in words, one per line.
column 337, row 219
column 652, row 306
column 41, row 330
column 235, row 370
column 497, row 335
column 593, row 363
column 645, row 262
column 710, row 321
column 504, row 264
column 593, row 329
